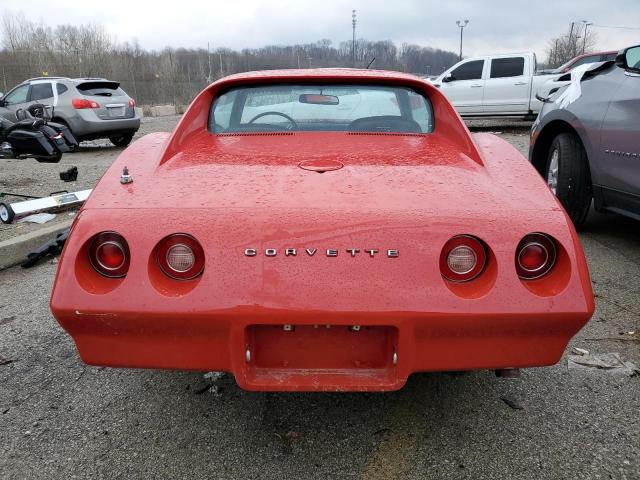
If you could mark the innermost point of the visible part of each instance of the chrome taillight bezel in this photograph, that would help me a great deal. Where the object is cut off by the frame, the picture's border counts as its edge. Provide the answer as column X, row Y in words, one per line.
column 109, row 238
column 173, row 240
column 548, row 244
column 479, row 250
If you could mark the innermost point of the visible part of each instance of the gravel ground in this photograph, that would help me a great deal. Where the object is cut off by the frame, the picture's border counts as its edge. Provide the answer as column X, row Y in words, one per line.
column 62, row 419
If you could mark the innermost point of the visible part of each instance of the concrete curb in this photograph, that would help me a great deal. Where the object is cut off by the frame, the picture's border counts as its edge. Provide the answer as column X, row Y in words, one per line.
column 15, row 250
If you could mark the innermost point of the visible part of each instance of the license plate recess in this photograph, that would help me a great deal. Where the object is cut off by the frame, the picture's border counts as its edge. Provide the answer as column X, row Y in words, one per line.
column 321, row 347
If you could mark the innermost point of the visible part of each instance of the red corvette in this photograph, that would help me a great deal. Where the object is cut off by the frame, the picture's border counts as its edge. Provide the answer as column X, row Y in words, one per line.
column 322, row 230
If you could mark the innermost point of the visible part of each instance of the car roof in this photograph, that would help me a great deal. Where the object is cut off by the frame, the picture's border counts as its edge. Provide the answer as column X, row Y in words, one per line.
column 67, row 79
column 594, row 53
column 322, row 73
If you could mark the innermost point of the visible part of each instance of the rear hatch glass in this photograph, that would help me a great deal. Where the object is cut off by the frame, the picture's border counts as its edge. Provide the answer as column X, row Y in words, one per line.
column 101, row 89
column 113, row 101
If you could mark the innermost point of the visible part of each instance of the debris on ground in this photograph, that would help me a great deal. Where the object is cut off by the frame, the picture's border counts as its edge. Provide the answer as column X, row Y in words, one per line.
column 514, row 404
column 210, row 386
column 37, row 218
column 215, row 390
column 213, row 376
column 52, row 247
column 70, row 175
column 579, row 351
column 610, row 362
column 5, row 361
column 57, row 201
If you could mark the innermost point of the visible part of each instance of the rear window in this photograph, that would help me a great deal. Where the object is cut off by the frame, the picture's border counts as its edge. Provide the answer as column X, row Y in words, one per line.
column 101, row 89
column 362, row 108
column 507, row 67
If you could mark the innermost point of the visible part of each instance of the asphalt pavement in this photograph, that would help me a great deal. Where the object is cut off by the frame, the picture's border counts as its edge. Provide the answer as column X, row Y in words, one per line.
column 62, row 419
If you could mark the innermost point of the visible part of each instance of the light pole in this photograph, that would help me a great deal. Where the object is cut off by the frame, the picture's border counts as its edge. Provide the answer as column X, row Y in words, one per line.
column 584, row 38
column 461, row 24
column 353, row 42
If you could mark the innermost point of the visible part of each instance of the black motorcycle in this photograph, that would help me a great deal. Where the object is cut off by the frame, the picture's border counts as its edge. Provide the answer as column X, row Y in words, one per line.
column 34, row 135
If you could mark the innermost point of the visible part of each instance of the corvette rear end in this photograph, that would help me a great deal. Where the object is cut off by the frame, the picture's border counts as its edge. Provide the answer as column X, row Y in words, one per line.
column 334, row 251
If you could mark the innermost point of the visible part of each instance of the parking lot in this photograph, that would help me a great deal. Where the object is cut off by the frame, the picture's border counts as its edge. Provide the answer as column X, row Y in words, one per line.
column 62, row 419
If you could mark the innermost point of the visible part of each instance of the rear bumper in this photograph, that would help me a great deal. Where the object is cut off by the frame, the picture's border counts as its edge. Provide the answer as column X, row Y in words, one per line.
column 322, row 352
column 86, row 124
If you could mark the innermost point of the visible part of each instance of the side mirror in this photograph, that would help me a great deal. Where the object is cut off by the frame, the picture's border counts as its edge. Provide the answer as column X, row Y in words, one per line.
column 448, row 78
column 3, row 103
column 629, row 58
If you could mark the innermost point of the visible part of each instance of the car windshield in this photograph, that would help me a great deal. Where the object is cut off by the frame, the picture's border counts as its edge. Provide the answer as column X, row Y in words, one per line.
column 312, row 108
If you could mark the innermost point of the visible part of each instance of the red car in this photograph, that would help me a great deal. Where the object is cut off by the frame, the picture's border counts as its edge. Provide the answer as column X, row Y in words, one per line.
column 585, row 58
column 322, row 230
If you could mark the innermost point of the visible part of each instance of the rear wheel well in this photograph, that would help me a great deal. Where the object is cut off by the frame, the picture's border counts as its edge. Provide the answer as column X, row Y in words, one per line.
column 543, row 143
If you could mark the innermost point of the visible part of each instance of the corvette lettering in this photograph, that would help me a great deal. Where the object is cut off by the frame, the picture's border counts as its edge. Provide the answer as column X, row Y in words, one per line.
column 329, row 252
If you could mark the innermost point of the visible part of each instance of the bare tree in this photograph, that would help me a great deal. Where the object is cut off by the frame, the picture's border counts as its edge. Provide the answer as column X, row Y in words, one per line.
column 176, row 75
column 578, row 40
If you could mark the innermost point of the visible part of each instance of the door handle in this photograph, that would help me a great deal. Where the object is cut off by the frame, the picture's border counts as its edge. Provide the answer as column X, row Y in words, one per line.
column 520, row 83
column 475, row 86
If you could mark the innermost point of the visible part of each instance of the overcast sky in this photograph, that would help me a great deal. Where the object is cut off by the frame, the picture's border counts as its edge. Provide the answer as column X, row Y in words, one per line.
column 495, row 26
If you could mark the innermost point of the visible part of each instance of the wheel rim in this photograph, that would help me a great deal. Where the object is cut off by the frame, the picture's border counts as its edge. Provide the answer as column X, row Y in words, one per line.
column 552, row 174
column 4, row 213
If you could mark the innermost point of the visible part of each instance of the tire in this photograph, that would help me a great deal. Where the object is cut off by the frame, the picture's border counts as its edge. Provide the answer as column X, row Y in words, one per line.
column 567, row 174
column 122, row 140
column 6, row 213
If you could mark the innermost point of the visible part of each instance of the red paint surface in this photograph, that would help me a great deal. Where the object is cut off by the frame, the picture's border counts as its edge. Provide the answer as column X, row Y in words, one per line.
column 406, row 192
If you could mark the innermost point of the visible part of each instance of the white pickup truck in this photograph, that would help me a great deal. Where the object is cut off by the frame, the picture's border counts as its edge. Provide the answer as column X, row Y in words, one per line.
column 494, row 85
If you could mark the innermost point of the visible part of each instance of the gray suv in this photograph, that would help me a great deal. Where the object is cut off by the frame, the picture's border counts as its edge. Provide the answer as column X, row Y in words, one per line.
column 91, row 107
column 588, row 147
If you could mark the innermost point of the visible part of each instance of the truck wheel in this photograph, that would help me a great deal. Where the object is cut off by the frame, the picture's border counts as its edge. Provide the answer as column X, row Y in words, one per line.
column 122, row 140
column 568, row 176
column 6, row 213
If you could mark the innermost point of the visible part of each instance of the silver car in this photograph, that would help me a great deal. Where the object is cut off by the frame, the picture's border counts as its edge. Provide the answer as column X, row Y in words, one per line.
column 91, row 107
column 586, row 142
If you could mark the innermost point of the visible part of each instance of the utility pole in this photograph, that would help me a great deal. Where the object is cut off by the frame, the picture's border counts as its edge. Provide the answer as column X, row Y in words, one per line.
column 353, row 42
column 584, row 39
column 572, row 46
column 461, row 25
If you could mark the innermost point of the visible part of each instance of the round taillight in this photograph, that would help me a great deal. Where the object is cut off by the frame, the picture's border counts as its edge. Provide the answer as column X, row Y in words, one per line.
column 109, row 254
column 180, row 256
column 535, row 256
column 463, row 258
